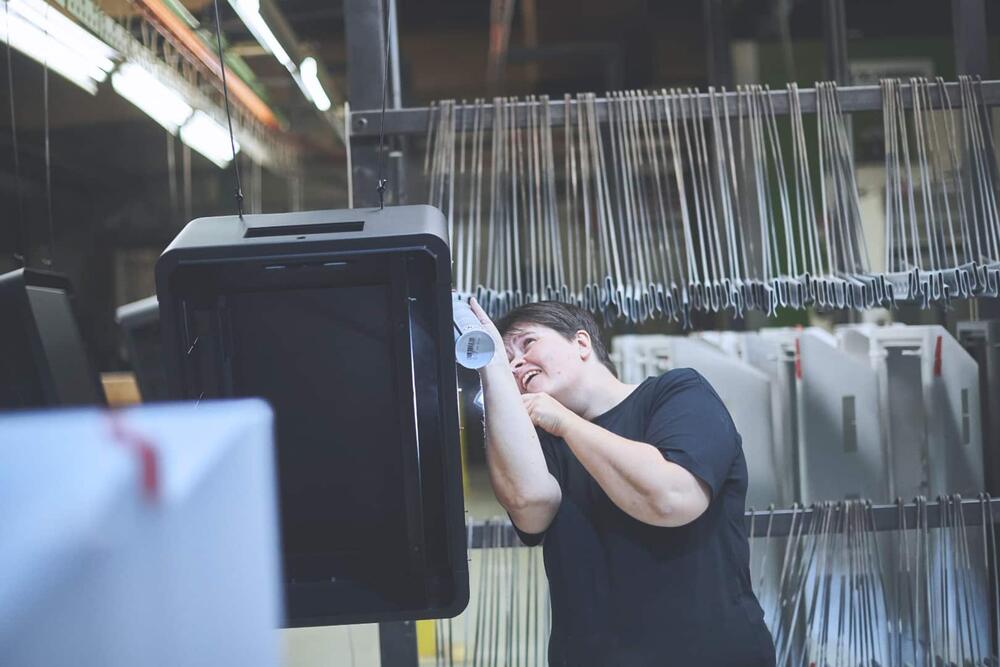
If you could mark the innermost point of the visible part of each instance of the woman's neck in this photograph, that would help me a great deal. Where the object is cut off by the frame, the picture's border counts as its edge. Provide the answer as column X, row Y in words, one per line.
column 598, row 393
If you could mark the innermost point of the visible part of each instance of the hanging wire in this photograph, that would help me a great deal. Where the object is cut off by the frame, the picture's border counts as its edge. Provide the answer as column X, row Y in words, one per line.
column 20, row 253
column 229, row 118
column 679, row 201
column 172, row 177
column 382, row 181
column 47, row 261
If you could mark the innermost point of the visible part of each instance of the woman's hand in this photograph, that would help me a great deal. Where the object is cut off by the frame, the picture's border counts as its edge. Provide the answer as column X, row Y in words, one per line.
column 548, row 414
column 500, row 356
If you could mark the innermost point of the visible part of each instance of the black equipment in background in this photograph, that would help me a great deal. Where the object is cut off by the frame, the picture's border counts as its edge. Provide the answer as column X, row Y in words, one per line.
column 139, row 322
column 44, row 362
column 341, row 319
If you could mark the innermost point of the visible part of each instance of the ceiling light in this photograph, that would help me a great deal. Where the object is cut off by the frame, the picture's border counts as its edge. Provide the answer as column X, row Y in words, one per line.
column 312, row 84
column 42, row 33
column 249, row 13
column 208, row 138
column 152, row 96
column 65, row 31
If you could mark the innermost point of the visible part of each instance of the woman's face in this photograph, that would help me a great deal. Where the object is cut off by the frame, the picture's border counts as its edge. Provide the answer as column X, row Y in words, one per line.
column 542, row 359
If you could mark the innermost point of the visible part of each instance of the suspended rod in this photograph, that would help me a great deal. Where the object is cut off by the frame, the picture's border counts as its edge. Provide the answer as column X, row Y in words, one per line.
column 778, row 523
column 414, row 120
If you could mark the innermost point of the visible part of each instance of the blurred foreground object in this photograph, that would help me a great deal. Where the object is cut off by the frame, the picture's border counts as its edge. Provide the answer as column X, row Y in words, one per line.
column 147, row 536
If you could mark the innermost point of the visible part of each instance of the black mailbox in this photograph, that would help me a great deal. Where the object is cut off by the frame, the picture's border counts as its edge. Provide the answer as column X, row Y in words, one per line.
column 43, row 361
column 341, row 319
column 139, row 323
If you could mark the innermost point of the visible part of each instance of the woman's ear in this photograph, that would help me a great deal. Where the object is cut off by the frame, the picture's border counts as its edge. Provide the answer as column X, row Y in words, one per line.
column 584, row 344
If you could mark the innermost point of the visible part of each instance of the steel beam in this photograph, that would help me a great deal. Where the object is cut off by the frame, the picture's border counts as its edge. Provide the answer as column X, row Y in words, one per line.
column 779, row 523
column 415, row 120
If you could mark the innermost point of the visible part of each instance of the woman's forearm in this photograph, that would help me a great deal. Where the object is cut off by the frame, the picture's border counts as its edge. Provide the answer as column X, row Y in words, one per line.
column 636, row 477
column 518, row 472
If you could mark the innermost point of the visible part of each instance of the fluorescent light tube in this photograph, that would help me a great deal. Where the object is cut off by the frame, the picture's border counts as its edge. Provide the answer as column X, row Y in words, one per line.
column 249, row 13
column 144, row 90
column 209, row 138
column 318, row 96
column 65, row 31
column 45, row 35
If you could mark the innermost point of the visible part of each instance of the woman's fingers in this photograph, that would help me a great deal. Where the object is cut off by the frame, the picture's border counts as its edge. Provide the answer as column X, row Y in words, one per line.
column 478, row 310
column 484, row 319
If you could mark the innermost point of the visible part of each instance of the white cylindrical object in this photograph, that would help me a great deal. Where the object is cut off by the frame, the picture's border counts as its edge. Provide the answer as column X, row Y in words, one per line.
column 474, row 347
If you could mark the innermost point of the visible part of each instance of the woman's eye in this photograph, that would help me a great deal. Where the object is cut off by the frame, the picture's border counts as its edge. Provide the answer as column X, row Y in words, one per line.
column 528, row 342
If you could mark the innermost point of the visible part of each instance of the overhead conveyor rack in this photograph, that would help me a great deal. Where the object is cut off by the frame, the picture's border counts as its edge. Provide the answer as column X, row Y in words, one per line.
column 415, row 120
column 782, row 522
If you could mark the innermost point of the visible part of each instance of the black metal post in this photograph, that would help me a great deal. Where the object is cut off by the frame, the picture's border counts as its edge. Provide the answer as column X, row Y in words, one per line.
column 969, row 31
column 397, row 644
column 396, row 157
column 835, row 42
column 720, row 61
column 982, row 341
column 364, row 25
column 837, row 67
column 968, row 23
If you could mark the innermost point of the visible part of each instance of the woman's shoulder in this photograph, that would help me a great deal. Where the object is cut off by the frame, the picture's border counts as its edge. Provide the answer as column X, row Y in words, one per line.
column 684, row 382
column 681, row 378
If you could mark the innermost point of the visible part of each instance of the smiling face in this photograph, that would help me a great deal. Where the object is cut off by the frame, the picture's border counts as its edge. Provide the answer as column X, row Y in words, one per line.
column 543, row 360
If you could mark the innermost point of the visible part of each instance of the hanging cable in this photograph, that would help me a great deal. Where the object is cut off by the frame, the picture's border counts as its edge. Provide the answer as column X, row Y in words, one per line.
column 20, row 253
column 48, row 261
column 172, row 177
column 229, row 118
column 382, row 181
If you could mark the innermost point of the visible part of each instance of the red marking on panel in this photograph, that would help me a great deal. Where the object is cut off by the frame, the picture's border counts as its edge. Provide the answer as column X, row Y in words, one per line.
column 144, row 451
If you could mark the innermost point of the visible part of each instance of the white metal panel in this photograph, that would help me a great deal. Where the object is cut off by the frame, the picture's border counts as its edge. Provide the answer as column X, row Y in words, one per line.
column 956, row 426
column 929, row 394
column 776, row 359
column 839, row 429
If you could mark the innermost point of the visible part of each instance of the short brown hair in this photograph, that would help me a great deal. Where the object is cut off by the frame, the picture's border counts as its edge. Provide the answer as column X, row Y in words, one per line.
column 564, row 318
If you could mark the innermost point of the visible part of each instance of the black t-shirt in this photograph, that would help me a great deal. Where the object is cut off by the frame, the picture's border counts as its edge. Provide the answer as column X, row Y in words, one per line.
column 627, row 593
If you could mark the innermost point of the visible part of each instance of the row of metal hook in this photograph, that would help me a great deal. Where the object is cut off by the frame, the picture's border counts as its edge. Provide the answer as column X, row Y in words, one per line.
column 837, row 586
column 837, row 590
column 658, row 204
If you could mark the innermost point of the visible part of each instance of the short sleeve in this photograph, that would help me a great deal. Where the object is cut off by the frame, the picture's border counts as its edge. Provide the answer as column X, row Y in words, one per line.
column 552, row 451
column 691, row 426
